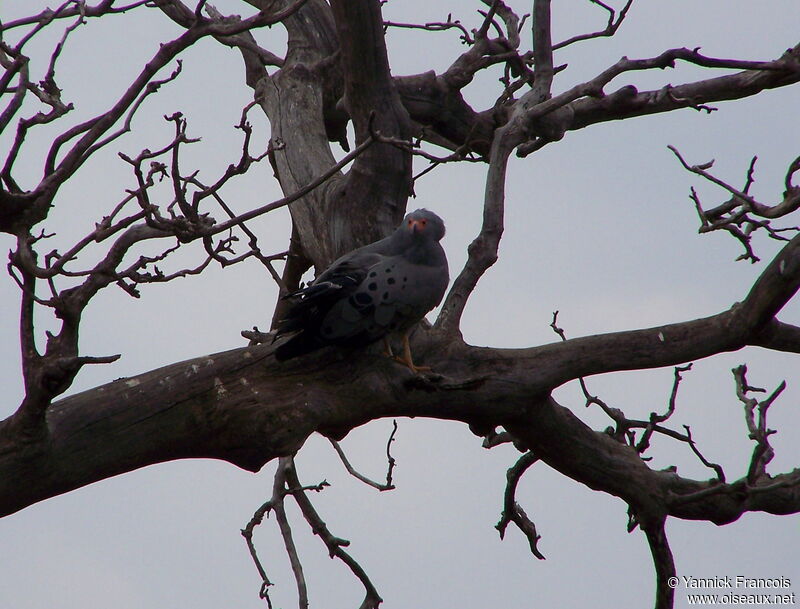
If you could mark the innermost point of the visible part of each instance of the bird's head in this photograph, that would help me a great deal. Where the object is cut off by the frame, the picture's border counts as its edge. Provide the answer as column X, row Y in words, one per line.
column 425, row 224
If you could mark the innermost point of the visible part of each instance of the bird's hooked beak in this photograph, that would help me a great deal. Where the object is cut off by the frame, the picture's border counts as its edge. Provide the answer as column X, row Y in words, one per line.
column 417, row 225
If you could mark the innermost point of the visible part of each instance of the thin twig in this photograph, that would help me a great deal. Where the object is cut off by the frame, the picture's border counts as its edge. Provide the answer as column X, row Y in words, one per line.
column 334, row 544
column 611, row 28
column 715, row 466
column 655, row 418
column 435, row 26
column 614, row 413
column 387, row 486
column 298, row 194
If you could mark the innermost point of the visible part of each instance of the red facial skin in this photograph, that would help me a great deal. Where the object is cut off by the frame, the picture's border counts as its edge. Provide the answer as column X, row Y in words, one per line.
column 417, row 225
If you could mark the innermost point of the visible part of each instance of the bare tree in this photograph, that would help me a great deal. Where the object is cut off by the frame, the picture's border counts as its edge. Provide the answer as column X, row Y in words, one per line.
column 242, row 406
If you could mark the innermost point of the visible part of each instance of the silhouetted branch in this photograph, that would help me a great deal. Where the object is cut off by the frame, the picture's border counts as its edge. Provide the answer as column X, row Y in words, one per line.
column 715, row 466
column 334, row 544
column 247, row 533
column 260, row 211
column 758, row 430
column 249, row 405
column 662, row 560
column 482, row 252
column 542, row 50
column 71, row 9
column 614, row 21
column 655, row 418
column 614, row 413
column 387, row 486
column 280, row 489
column 624, row 426
column 738, row 214
column 512, row 511
column 435, row 26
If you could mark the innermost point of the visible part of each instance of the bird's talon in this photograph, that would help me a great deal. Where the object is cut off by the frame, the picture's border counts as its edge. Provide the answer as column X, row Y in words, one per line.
column 411, row 365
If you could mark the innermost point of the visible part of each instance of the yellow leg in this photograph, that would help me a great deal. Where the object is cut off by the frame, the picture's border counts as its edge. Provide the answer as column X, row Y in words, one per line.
column 406, row 359
column 387, row 347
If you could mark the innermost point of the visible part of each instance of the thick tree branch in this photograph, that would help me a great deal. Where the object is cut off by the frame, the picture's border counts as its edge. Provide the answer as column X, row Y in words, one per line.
column 441, row 111
column 483, row 250
column 291, row 99
column 587, row 104
column 663, row 562
column 628, row 102
column 242, row 407
column 106, row 440
column 779, row 336
column 542, row 49
column 379, row 183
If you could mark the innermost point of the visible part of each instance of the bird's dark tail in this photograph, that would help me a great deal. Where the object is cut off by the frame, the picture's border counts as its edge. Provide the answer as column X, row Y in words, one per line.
column 297, row 345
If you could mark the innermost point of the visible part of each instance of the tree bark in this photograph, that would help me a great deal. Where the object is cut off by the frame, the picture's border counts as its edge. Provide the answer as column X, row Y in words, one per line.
column 243, row 407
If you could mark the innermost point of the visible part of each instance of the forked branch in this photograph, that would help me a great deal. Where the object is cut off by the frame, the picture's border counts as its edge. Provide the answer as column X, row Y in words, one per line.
column 512, row 511
column 276, row 503
column 334, row 544
column 757, row 427
column 742, row 215
column 612, row 25
column 386, row 486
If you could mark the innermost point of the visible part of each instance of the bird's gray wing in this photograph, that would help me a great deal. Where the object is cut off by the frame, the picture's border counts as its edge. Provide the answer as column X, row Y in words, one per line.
column 393, row 295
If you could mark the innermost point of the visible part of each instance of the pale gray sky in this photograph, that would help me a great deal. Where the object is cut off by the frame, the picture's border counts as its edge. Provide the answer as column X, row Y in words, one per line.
column 599, row 226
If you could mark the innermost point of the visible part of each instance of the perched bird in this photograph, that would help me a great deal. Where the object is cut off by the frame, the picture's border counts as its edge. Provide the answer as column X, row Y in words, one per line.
column 382, row 288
